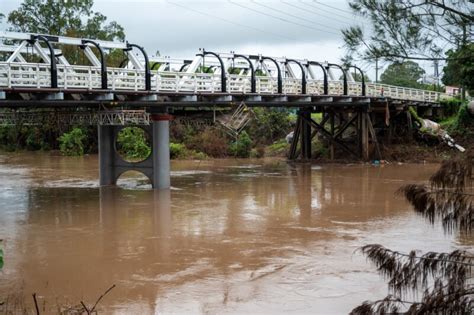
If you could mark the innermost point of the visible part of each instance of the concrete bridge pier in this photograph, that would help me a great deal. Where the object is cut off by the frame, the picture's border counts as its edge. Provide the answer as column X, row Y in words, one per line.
column 161, row 150
column 156, row 166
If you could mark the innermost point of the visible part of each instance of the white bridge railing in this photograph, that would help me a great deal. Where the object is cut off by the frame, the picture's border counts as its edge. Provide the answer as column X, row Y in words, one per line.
column 37, row 75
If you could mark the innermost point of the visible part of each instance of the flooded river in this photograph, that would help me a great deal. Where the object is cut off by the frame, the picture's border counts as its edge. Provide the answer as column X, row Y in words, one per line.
column 231, row 237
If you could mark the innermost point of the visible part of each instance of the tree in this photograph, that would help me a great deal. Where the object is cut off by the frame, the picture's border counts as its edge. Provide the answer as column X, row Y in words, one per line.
column 406, row 74
column 459, row 70
column 67, row 18
column 408, row 29
column 444, row 278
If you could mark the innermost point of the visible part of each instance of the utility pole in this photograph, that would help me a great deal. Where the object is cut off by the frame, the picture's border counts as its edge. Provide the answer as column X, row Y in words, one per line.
column 436, row 74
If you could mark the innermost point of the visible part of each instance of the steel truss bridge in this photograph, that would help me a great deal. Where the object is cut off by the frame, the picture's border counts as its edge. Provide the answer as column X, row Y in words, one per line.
column 34, row 73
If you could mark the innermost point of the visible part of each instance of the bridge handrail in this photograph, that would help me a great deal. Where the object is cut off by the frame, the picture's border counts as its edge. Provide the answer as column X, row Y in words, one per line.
column 37, row 75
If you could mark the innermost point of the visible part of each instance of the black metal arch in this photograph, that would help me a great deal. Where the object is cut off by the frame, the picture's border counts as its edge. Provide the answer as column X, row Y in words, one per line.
column 363, row 79
column 344, row 76
column 253, row 84
column 103, row 65
column 223, row 71
column 325, row 75
column 147, row 65
column 280, row 81
column 303, row 74
column 52, row 57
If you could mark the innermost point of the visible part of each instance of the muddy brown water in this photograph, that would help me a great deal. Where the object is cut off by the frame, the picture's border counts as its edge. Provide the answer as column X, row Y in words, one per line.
column 231, row 237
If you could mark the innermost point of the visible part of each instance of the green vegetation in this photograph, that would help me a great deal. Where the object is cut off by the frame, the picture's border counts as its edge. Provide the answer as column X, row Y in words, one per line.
column 459, row 71
column 241, row 146
column 406, row 74
column 451, row 106
column 132, row 144
column 72, row 143
column 179, row 151
column 459, row 124
column 278, row 148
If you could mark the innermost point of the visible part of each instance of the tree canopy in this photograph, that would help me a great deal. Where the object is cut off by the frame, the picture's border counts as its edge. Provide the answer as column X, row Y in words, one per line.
column 408, row 29
column 68, row 18
column 459, row 71
column 406, row 74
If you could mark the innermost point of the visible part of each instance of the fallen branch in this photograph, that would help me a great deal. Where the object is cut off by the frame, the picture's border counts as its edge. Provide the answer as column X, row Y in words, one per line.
column 96, row 302
column 36, row 304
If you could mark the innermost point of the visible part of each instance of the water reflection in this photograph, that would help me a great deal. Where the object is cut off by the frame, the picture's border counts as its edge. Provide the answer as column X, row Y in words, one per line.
column 229, row 238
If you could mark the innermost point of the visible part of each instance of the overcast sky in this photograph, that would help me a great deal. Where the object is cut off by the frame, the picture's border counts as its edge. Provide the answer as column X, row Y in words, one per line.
column 306, row 29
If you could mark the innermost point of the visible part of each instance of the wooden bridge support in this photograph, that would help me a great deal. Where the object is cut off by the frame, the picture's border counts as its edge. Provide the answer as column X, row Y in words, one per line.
column 306, row 129
column 156, row 167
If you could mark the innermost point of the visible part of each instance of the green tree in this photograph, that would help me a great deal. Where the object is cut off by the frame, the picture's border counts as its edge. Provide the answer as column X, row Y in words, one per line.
column 445, row 279
column 72, row 143
column 242, row 146
column 67, row 18
column 408, row 29
column 406, row 74
column 459, row 70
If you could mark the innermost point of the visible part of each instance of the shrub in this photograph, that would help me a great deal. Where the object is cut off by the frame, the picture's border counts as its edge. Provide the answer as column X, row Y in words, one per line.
column 132, row 143
column 270, row 124
column 177, row 150
column 278, row 148
column 242, row 146
column 72, row 143
column 450, row 106
column 211, row 141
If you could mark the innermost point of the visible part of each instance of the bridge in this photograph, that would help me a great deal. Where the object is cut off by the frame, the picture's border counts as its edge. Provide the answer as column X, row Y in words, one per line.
column 143, row 90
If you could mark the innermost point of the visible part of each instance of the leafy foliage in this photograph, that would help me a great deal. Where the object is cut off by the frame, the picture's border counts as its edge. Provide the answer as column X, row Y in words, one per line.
column 72, row 143
column 72, row 18
column 179, row 151
column 241, row 146
column 406, row 28
column 132, row 143
column 269, row 125
column 405, row 74
column 459, row 70
column 445, row 278
column 212, row 141
column 67, row 18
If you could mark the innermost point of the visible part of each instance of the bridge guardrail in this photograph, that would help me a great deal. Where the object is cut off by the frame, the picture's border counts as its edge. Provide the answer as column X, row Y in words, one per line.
column 37, row 75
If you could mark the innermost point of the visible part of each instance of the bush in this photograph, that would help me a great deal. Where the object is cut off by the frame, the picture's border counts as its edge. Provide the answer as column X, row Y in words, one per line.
column 211, row 141
column 278, row 148
column 450, row 106
column 72, row 143
column 270, row 124
column 132, row 143
column 242, row 146
column 179, row 151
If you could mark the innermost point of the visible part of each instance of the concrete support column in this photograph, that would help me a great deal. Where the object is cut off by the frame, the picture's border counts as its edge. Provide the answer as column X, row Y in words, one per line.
column 161, row 151
column 106, row 155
